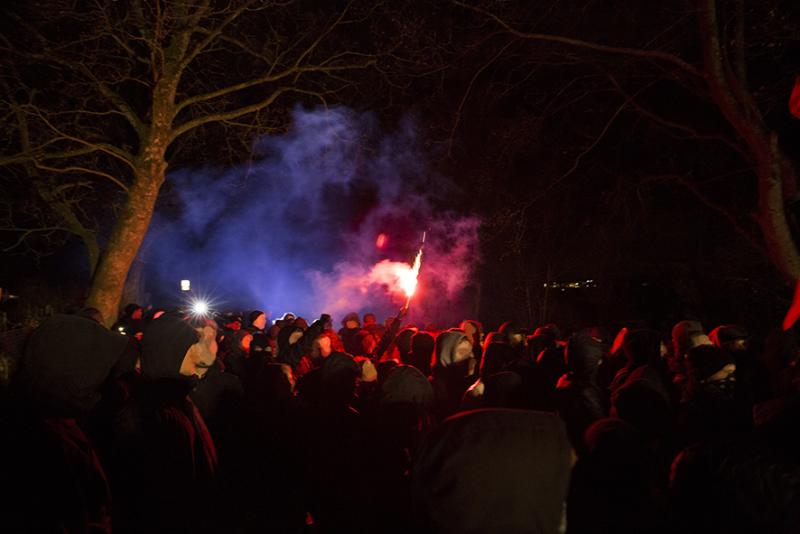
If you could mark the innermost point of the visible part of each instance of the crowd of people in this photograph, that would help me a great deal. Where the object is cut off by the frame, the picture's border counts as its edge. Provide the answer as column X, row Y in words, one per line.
column 179, row 422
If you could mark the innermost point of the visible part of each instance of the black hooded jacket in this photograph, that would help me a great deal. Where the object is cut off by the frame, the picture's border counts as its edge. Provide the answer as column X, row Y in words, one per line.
column 66, row 361
column 580, row 400
column 53, row 478
column 450, row 378
column 166, row 461
column 493, row 470
column 292, row 353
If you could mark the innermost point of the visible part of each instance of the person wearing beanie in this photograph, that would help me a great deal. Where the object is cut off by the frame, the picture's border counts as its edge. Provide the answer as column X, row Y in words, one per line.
column 166, row 460
column 256, row 321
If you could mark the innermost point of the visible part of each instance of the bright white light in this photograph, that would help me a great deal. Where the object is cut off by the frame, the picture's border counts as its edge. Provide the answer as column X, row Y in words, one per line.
column 186, row 285
column 200, row 307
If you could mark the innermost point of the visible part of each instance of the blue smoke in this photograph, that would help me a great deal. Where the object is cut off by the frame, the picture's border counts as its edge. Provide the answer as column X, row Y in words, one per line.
column 293, row 230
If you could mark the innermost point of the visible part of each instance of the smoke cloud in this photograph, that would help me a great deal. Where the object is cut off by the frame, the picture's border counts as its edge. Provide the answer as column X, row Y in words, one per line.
column 297, row 229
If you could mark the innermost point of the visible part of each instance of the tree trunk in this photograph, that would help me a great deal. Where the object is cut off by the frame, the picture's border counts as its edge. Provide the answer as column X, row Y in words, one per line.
column 774, row 170
column 127, row 236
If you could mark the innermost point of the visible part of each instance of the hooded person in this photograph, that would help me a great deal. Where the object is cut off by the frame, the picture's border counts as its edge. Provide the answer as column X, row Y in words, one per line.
column 498, row 357
column 550, row 366
column 264, row 438
column 372, row 325
column 579, row 398
column 398, row 422
column 744, row 485
column 342, row 452
column 640, row 347
column 488, row 471
column 515, row 334
column 349, row 333
column 452, row 371
column 685, row 335
column 613, row 485
column 735, row 341
column 338, row 376
column 167, row 461
column 294, row 343
column 402, row 343
column 422, row 345
column 53, row 476
column 503, row 390
column 474, row 331
column 710, row 408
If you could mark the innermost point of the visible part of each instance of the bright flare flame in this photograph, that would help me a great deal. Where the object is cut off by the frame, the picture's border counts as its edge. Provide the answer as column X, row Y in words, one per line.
column 408, row 279
column 398, row 277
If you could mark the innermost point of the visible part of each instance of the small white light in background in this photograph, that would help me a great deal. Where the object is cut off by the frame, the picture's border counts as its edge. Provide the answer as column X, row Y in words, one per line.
column 186, row 285
column 200, row 307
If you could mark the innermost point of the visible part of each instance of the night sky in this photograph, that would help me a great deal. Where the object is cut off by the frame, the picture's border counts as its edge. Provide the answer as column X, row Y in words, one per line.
column 535, row 161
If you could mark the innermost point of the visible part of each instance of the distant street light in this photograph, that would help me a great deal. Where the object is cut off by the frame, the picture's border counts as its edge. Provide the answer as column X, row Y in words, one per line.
column 186, row 285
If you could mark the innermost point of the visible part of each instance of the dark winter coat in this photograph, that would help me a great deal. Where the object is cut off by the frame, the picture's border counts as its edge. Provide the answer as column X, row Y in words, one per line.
column 580, row 400
column 449, row 378
column 292, row 354
column 166, row 461
column 53, row 477
column 488, row 471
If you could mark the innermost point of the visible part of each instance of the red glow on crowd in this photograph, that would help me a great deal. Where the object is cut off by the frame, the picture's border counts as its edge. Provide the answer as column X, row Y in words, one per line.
column 794, row 99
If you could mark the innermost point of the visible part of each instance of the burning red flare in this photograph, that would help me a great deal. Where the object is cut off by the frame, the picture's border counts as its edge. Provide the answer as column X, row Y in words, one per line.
column 381, row 241
column 398, row 277
column 408, row 280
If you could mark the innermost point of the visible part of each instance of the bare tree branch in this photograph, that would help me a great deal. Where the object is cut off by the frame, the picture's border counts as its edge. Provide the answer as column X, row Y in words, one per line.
column 84, row 170
column 633, row 52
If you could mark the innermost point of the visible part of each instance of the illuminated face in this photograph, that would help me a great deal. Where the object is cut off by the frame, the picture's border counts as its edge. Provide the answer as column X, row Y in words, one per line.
column 324, row 346
column 351, row 324
column 463, row 351
column 516, row 340
column 244, row 344
column 260, row 322
column 294, row 337
column 470, row 330
column 200, row 356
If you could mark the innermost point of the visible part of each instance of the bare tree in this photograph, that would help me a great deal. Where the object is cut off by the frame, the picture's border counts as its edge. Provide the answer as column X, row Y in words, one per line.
column 103, row 99
column 719, row 74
